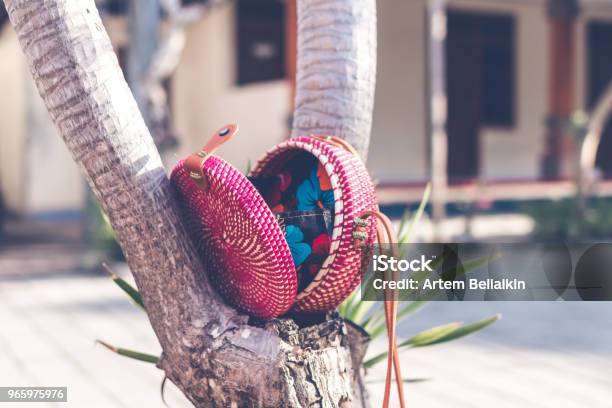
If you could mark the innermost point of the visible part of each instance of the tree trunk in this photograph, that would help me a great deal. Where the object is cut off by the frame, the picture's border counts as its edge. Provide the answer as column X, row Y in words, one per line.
column 209, row 350
column 336, row 69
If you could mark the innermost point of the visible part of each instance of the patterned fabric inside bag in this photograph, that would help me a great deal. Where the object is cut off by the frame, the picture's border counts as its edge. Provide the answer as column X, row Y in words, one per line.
column 302, row 199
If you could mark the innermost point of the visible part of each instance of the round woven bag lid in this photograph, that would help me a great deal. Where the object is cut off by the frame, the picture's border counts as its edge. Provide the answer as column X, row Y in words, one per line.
column 237, row 236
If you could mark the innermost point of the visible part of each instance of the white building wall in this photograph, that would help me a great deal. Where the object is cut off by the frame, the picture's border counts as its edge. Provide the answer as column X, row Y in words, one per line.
column 206, row 96
column 54, row 185
column 398, row 151
column 12, row 120
column 37, row 174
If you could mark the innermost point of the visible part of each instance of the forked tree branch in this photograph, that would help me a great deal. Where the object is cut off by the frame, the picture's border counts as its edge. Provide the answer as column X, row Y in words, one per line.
column 209, row 350
column 336, row 69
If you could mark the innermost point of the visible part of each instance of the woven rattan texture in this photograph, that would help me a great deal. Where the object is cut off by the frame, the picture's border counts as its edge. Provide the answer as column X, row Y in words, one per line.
column 353, row 194
column 238, row 238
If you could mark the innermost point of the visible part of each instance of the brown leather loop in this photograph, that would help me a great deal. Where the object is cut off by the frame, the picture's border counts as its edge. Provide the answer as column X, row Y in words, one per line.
column 338, row 142
column 194, row 164
column 385, row 235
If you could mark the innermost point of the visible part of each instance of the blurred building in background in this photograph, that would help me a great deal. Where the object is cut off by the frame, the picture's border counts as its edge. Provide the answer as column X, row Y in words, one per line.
column 514, row 69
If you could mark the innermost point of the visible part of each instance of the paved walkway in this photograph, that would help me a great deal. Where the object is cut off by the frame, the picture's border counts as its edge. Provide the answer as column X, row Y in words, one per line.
column 547, row 354
column 538, row 355
column 49, row 324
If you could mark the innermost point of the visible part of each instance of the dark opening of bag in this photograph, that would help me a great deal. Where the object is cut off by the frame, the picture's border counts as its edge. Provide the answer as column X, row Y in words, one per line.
column 297, row 189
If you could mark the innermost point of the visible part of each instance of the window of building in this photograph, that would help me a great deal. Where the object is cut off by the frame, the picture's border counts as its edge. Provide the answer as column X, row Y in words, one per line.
column 489, row 42
column 599, row 60
column 113, row 7
column 599, row 75
column 261, row 40
column 3, row 16
column 120, row 7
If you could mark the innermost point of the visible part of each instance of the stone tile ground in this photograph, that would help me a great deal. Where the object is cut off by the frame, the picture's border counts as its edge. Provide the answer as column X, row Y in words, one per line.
column 538, row 355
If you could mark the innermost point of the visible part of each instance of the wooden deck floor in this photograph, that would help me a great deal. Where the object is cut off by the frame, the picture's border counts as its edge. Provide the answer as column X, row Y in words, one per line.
column 538, row 355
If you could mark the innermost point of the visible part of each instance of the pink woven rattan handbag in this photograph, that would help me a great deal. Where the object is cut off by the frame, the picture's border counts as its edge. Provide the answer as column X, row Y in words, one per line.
column 258, row 260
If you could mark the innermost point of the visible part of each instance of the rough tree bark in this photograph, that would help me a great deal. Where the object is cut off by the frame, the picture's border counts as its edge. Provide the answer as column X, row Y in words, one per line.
column 209, row 350
column 336, row 69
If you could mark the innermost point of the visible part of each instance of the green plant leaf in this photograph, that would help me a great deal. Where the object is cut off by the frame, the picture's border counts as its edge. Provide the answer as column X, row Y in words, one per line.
column 428, row 336
column 347, row 308
column 421, row 339
column 436, row 335
column 136, row 355
column 353, row 308
column 457, row 272
column 404, row 234
column 358, row 309
column 377, row 325
column 466, row 330
column 369, row 363
column 162, row 391
column 131, row 291
column 404, row 221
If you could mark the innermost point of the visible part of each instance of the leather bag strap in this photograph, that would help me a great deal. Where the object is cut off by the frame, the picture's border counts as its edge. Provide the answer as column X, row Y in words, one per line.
column 336, row 141
column 386, row 236
column 195, row 162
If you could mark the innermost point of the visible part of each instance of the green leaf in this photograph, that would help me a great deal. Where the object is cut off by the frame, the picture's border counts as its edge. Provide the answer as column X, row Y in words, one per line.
column 457, row 272
column 429, row 336
column 126, row 287
column 377, row 325
column 410, row 309
column 403, row 222
column 356, row 309
column 359, row 312
column 345, row 308
column 136, row 355
column 466, row 330
column 162, row 391
column 405, row 234
column 130, row 290
column 374, row 360
column 476, row 263
column 437, row 335
column 419, row 340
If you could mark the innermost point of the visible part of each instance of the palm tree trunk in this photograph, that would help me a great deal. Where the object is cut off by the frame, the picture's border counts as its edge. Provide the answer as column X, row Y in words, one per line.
column 336, row 69
column 209, row 350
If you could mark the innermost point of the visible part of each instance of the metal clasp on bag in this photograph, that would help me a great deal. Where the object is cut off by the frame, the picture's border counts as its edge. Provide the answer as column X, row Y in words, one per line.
column 194, row 164
column 360, row 234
